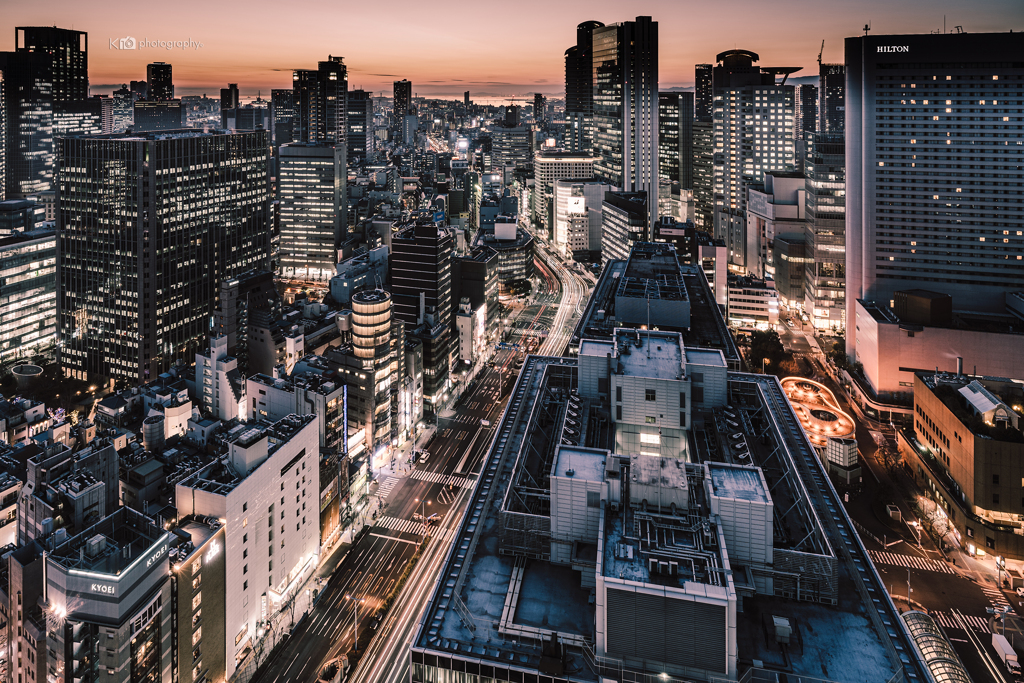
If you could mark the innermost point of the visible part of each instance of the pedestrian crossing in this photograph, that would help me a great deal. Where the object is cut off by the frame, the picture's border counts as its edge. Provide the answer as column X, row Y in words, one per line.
column 995, row 596
column 949, row 621
column 439, row 478
column 924, row 564
column 384, row 490
column 409, row 526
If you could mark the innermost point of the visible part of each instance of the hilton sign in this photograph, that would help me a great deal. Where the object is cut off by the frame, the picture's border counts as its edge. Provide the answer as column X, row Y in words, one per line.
column 894, row 48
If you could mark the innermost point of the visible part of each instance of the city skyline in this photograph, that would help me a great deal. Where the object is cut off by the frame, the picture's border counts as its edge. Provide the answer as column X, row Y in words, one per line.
column 468, row 59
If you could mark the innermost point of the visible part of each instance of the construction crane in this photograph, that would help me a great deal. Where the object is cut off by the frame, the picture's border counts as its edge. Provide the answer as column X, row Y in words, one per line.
column 821, row 52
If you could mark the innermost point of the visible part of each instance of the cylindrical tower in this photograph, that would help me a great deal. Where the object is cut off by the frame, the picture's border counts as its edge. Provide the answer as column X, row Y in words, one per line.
column 371, row 342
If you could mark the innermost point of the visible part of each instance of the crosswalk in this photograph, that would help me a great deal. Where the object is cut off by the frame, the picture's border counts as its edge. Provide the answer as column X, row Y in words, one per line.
column 409, row 526
column 384, row 490
column 949, row 621
column 439, row 478
column 924, row 564
column 995, row 596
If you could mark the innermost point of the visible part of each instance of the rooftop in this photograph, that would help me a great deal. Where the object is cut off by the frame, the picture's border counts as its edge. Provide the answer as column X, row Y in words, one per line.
column 111, row 546
column 657, row 355
column 738, row 482
column 584, row 463
column 705, row 357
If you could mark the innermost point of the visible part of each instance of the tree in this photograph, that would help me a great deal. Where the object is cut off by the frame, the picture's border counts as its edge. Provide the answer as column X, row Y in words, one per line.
column 765, row 344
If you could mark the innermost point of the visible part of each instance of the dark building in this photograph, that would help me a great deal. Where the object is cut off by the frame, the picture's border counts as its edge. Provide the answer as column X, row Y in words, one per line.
column 319, row 101
column 704, row 98
column 360, row 125
column 403, row 98
column 282, row 115
column 539, row 105
column 465, row 98
column 246, row 117
column 156, row 115
column 476, row 275
column 626, row 108
column 832, row 98
column 93, row 116
column 123, row 111
column 161, row 84
column 140, row 88
column 311, row 193
column 421, row 287
column 240, row 298
column 624, row 216
column 675, row 137
column 579, row 89
column 229, row 97
column 138, row 278
column 789, row 259
column 704, row 175
column 806, row 108
column 825, row 231
column 49, row 65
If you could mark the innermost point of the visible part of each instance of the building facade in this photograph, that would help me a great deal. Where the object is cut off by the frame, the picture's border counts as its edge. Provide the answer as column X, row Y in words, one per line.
column 675, row 138
column 579, row 89
column 28, row 292
column 319, row 98
column 825, row 232
column 312, row 205
column 129, row 307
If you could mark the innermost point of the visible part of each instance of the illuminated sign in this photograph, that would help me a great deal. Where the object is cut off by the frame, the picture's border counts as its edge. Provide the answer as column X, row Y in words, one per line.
column 102, row 588
column 894, row 48
column 156, row 556
column 213, row 551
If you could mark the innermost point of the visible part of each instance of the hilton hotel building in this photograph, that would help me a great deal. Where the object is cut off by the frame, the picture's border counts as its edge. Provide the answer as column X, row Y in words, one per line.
column 935, row 162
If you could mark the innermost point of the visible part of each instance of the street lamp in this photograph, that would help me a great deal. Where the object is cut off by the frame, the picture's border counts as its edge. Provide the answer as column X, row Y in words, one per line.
column 423, row 513
column 355, row 627
column 765, row 361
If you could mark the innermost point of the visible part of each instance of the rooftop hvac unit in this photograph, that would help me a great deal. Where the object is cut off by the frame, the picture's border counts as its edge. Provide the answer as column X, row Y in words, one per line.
column 783, row 629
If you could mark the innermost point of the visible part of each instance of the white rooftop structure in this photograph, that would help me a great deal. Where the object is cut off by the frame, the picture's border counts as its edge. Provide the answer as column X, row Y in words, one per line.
column 654, row 355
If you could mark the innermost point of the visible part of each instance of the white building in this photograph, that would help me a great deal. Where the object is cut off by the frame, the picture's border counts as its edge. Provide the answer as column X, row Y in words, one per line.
column 774, row 209
column 550, row 165
column 753, row 303
column 218, row 383
column 577, row 215
column 267, row 483
column 471, row 328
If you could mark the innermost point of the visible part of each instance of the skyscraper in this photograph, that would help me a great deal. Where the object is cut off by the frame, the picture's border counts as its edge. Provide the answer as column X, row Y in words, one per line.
column 465, row 98
column 704, row 96
column 624, row 222
column 229, row 97
column 626, row 108
column 754, row 133
column 675, row 137
column 825, row 231
column 48, row 65
column 161, row 84
column 421, row 287
column 124, row 99
column 137, row 276
column 154, row 115
column 311, row 193
column 319, row 101
column 831, row 98
column 539, row 105
column 360, row 125
column 805, row 105
column 282, row 115
column 933, row 202
column 579, row 89
column 704, row 175
column 3, row 137
column 403, row 98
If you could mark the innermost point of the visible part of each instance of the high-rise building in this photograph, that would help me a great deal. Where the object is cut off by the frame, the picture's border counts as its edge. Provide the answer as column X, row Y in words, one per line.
column 403, row 98
column 832, row 98
column 704, row 95
column 675, row 138
column 704, row 175
column 157, row 115
column 140, row 88
column 579, row 89
column 28, row 292
column 160, row 81
column 805, row 107
column 319, row 101
column 550, row 165
column 94, row 116
column 229, row 97
column 825, row 232
column 421, row 288
column 923, row 209
column 577, row 221
column 626, row 108
column 512, row 146
column 123, row 111
column 465, row 98
column 754, row 133
column 129, row 307
column 360, row 125
column 3, row 137
column 624, row 222
column 49, row 65
column 311, row 191
column 282, row 115
column 539, row 106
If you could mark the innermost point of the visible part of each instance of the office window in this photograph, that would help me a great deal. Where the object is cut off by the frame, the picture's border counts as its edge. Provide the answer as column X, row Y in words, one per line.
column 682, row 399
column 618, row 393
column 618, row 412
column 650, row 420
column 995, row 479
column 650, row 395
column 682, row 419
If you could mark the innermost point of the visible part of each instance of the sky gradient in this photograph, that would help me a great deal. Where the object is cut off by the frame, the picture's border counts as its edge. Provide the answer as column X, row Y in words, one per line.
column 448, row 46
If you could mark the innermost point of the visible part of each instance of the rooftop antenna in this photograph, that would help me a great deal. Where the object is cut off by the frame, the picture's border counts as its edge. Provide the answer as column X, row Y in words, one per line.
column 867, row 27
column 820, row 52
